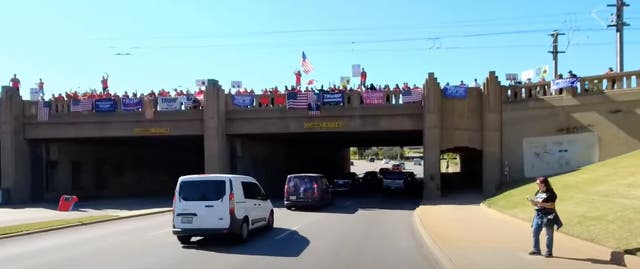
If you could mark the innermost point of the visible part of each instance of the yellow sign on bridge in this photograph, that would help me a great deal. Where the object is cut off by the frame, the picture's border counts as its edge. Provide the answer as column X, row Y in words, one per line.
column 323, row 125
column 151, row 131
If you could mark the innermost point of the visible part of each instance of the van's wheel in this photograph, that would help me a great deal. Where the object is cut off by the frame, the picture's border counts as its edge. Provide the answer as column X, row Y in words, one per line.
column 184, row 239
column 270, row 221
column 244, row 231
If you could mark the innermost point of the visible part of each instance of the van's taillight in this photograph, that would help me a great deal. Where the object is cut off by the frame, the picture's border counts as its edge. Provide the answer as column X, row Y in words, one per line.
column 286, row 189
column 315, row 190
column 232, row 204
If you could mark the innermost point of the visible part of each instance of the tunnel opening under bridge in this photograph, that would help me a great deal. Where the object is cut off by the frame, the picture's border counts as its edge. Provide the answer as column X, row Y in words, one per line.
column 113, row 167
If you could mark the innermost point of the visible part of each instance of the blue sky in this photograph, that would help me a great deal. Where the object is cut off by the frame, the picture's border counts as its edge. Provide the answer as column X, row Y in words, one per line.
column 70, row 44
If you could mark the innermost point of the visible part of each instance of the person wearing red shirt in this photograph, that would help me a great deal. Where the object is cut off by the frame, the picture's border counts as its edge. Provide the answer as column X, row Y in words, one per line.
column 107, row 94
column 15, row 82
column 363, row 77
column 41, row 87
column 298, row 75
column 105, row 82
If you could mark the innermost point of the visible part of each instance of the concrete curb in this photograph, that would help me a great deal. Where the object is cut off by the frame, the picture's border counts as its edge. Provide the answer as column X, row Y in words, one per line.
column 629, row 261
column 441, row 258
column 86, row 223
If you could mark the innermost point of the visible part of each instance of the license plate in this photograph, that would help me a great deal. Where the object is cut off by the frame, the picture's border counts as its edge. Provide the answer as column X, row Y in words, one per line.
column 186, row 220
column 292, row 197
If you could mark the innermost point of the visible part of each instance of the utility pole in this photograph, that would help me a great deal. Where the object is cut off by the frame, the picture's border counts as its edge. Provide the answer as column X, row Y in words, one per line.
column 619, row 24
column 555, row 52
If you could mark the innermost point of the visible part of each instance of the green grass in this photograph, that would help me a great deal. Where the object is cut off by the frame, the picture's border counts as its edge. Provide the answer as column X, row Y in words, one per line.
column 598, row 203
column 50, row 224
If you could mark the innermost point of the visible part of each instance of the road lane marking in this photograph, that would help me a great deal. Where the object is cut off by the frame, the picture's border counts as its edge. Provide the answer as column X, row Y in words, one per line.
column 166, row 231
column 287, row 232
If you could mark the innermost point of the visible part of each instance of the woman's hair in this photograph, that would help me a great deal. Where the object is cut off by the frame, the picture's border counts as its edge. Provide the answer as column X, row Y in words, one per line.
column 546, row 183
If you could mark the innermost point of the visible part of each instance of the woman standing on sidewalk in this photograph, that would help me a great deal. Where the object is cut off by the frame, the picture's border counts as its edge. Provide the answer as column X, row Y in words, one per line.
column 546, row 216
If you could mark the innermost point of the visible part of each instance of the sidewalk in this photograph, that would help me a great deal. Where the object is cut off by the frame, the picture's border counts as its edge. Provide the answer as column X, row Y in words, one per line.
column 467, row 234
column 30, row 213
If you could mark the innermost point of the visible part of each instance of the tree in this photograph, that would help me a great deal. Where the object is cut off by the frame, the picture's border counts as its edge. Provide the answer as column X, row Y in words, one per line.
column 392, row 153
column 373, row 152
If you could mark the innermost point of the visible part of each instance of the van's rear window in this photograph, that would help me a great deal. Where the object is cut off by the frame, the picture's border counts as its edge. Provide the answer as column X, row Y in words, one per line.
column 202, row 190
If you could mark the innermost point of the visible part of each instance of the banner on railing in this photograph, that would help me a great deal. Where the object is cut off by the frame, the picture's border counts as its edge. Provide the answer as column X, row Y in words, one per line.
column 332, row 99
column 455, row 91
column 131, row 104
column 169, row 103
column 373, row 97
column 413, row 95
column 80, row 105
column 243, row 100
column 106, row 105
column 564, row 83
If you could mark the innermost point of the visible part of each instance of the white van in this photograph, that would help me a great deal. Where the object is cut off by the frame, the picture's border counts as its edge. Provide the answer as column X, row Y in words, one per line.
column 219, row 204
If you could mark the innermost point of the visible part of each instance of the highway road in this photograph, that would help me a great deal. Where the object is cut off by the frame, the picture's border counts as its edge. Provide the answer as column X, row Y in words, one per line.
column 364, row 232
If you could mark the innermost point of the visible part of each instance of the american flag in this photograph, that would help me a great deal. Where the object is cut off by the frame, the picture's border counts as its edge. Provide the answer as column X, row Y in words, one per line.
column 43, row 110
column 81, row 105
column 297, row 100
column 306, row 64
column 413, row 95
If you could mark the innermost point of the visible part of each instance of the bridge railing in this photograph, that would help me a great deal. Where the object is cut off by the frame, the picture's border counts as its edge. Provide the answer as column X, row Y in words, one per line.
column 64, row 107
column 350, row 99
column 589, row 85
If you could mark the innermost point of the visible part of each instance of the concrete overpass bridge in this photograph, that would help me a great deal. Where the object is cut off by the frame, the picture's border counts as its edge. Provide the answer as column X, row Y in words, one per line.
column 496, row 129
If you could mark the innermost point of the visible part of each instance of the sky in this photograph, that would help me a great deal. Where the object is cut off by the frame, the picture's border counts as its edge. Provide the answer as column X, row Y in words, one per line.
column 168, row 44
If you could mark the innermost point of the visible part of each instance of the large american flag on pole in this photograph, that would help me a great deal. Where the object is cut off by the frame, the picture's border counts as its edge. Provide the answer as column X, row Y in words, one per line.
column 306, row 64
column 413, row 95
column 298, row 99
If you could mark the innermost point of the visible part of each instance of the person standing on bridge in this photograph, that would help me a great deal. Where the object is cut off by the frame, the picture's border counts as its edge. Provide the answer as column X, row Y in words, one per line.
column 546, row 216
column 363, row 78
column 105, row 82
column 15, row 82
column 40, row 85
column 298, row 75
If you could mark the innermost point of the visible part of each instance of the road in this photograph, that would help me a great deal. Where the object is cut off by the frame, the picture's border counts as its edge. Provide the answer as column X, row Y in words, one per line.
column 364, row 232
column 361, row 166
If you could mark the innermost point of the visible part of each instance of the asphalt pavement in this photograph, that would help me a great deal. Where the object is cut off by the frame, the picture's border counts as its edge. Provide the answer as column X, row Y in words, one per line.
column 373, row 232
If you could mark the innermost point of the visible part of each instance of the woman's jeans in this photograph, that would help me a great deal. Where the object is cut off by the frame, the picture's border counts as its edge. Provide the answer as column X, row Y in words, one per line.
column 538, row 224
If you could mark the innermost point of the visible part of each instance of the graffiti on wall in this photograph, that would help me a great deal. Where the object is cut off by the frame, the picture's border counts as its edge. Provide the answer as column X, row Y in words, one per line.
column 550, row 155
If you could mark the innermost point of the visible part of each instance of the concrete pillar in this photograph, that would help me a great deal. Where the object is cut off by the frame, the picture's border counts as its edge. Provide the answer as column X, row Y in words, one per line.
column 491, row 135
column 14, row 150
column 431, row 128
column 216, row 148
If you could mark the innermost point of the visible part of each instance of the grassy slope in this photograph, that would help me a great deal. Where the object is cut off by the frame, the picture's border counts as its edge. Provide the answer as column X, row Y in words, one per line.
column 599, row 203
column 50, row 224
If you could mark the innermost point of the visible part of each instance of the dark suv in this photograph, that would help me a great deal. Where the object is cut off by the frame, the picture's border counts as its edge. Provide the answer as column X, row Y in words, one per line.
column 306, row 190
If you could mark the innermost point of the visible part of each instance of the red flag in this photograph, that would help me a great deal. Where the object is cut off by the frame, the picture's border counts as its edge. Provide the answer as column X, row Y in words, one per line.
column 311, row 82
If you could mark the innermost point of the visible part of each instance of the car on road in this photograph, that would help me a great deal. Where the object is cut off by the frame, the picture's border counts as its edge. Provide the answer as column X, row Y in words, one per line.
column 306, row 191
column 345, row 183
column 394, row 181
column 417, row 161
column 372, row 159
column 212, row 204
column 396, row 167
column 371, row 181
column 386, row 161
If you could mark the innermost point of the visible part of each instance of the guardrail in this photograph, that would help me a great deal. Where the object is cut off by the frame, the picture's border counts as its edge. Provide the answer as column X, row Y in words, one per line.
column 589, row 85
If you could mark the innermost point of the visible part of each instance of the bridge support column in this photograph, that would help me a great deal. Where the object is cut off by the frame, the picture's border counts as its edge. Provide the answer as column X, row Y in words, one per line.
column 491, row 134
column 14, row 149
column 216, row 144
column 431, row 128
